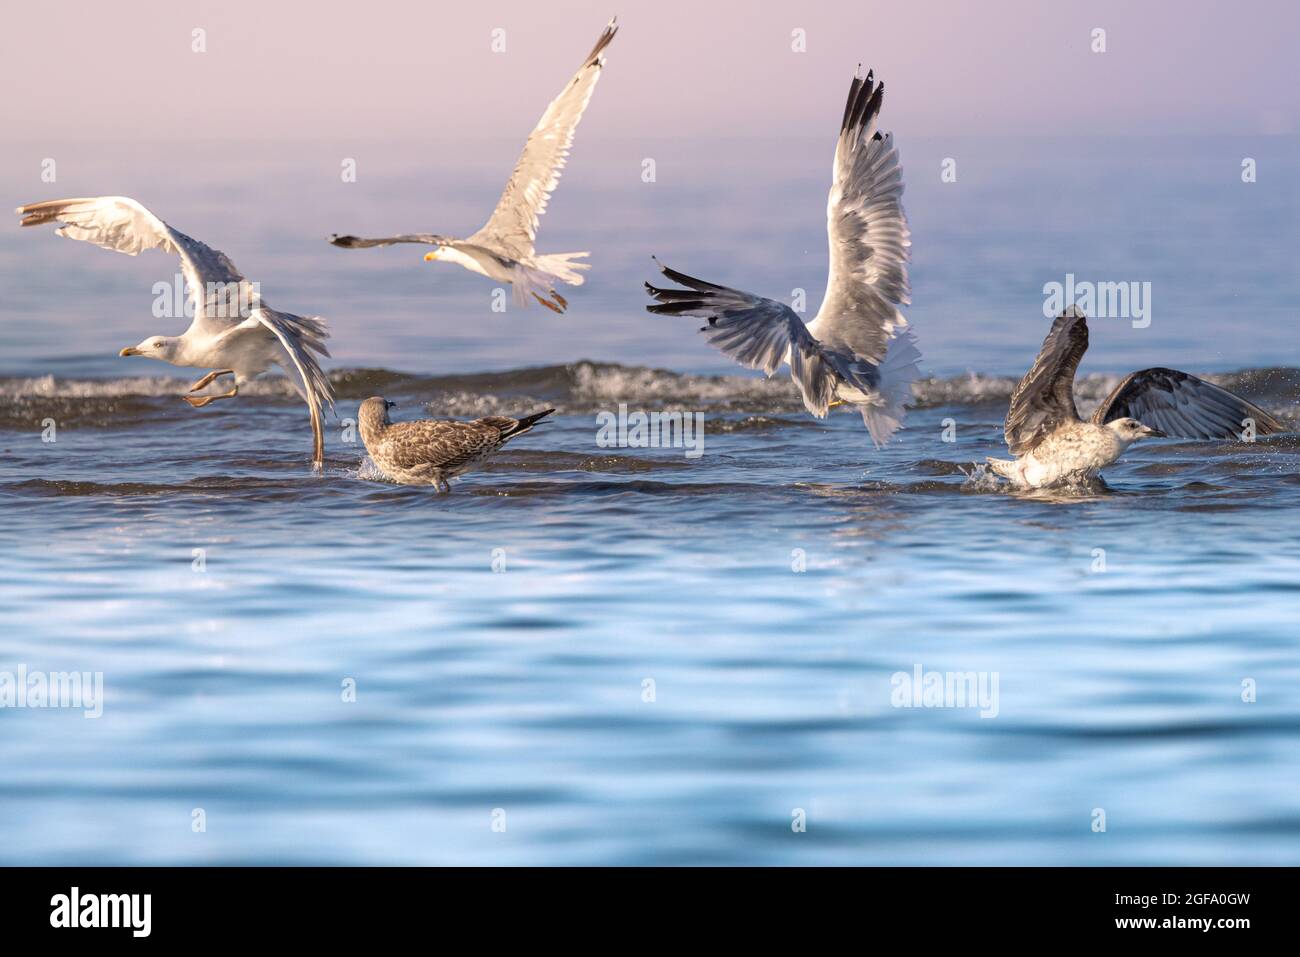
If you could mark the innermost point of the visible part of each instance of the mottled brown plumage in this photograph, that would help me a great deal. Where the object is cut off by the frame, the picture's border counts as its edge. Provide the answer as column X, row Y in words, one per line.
column 432, row 451
column 1044, row 399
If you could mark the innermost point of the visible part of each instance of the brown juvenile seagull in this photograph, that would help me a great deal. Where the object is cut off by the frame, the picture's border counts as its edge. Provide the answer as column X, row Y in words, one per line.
column 431, row 451
column 1053, row 445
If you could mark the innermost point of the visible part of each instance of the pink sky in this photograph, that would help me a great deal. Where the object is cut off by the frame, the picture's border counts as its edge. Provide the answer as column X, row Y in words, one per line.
column 387, row 68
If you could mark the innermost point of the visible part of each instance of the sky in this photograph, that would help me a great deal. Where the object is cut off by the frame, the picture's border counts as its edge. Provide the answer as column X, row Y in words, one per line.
column 401, row 68
column 1120, row 165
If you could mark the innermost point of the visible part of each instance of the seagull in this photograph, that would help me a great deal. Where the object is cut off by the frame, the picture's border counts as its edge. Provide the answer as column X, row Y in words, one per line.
column 234, row 332
column 431, row 451
column 503, row 249
column 1053, row 445
column 858, row 350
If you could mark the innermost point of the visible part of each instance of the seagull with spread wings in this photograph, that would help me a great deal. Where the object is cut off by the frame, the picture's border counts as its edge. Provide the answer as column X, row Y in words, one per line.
column 1053, row 445
column 234, row 332
column 858, row 349
column 503, row 249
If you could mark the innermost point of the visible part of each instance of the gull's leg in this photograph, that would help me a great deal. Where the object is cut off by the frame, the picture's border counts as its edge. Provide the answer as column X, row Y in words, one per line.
column 564, row 303
column 202, row 383
column 548, row 304
column 318, row 441
column 199, row 402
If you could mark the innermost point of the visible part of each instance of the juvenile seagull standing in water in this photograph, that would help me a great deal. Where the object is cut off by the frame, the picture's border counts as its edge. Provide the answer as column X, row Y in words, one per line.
column 858, row 348
column 503, row 248
column 1053, row 445
column 234, row 332
column 431, row 451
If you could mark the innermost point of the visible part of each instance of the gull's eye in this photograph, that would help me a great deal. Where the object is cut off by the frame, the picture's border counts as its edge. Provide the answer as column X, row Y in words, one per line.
column 158, row 344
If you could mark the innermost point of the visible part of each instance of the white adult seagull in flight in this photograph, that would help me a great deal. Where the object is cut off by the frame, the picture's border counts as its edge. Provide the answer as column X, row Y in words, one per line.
column 1053, row 445
column 503, row 249
column 858, row 349
column 233, row 331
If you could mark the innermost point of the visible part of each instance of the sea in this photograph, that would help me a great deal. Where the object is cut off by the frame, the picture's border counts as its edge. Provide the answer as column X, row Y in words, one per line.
column 767, row 642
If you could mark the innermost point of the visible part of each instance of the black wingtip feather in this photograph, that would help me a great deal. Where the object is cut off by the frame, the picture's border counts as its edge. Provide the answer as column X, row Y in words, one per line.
column 848, row 104
column 676, row 308
column 699, row 285
column 676, row 295
column 524, row 423
column 605, row 39
column 865, row 97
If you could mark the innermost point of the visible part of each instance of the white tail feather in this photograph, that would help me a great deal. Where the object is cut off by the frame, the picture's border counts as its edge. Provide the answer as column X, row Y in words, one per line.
column 561, row 267
column 540, row 276
column 897, row 373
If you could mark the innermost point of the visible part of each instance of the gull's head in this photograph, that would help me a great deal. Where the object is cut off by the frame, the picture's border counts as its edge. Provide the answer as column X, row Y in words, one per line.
column 1130, row 430
column 373, row 413
column 433, row 254
column 166, row 348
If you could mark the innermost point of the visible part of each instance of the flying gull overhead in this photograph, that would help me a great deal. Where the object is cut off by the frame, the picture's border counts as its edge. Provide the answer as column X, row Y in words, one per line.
column 858, row 349
column 234, row 332
column 503, row 249
column 430, row 451
column 1053, row 445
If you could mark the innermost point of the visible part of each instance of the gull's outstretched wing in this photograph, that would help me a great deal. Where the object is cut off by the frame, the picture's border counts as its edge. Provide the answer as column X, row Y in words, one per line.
column 758, row 333
column 221, row 296
column 513, row 224
column 300, row 337
column 1044, row 399
column 356, row 242
column 1183, row 406
column 868, row 235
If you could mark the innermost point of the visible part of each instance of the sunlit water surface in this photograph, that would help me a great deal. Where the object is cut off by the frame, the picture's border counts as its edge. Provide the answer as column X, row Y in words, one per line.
column 597, row 655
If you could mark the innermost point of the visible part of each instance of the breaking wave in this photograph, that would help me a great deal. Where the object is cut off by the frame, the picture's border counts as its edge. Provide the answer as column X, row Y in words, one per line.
column 576, row 388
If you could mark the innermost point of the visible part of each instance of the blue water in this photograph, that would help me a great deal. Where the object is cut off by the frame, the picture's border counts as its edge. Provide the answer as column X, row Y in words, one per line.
column 612, row 650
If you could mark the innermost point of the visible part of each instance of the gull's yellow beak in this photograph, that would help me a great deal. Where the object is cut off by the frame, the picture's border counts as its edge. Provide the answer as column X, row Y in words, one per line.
column 430, row 257
column 128, row 351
